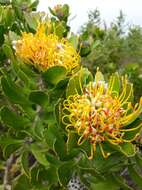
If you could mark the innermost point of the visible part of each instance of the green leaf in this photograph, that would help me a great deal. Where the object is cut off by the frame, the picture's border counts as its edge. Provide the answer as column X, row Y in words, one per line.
column 23, row 77
column 9, row 145
column 99, row 76
column 13, row 36
column 74, row 40
column 6, row 141
column 107, row 184
column 133, row 117
column 95, row 44
column 127, row 148
column 55, row 74
column 72, row 154
column 13, row 92
column 129, row 93
column 58, row 111
column 17, row 95
column 60, row 147
column 7, row 2
column 34, row 5
column 55, row 139
column 2, row 30
column 8, row 51
column 113, row 163
column 25, row 163
column 116, row 83
column 12, row 148
column 50, row 136
column 110, row 182
column 138, row 158
column 21, row 183
column 65, row 172
column 61, row 13
column 34, row 175
column 72, row 141
column 48, row 116
column 39, row 154
column 31, row 21
column 113, row 181
column 131, row 135
column 1, row 187
column 85, row 49
column 49, row 175
column 38, row 129
column 25, row 74
column 135, row 175
column 65, row 11
column 9, row 17
column 93, row 172
column 76, row 82
column 85, row 147
column 122, row 182
column 13, row 120
column 53, row 160
column 60, row 29
column 27, row 69
column 39, row 97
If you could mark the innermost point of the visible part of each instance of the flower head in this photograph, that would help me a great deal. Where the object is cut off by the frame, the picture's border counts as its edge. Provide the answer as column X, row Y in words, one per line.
column 45, row 51
column 101, row 112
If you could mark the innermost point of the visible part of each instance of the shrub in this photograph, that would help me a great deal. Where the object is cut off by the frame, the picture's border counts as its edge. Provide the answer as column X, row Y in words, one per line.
column 61, row 128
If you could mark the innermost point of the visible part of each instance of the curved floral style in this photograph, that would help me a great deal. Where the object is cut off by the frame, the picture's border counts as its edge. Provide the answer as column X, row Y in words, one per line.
column 45, row 51
column 102, row 112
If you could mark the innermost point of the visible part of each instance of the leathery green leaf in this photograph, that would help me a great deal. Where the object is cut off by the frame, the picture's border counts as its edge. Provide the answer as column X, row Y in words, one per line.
column 127, row 149
column 55, row 74
column 65, row 172
column 135, row 175
column 11, row 119
column 25, row 163
column 39, row 97
column 99, row 76
column 107, row 184
column 132, row 134
column 116, row 83
column 138, row 158
column 76, row 82
column 39, row 154
column 11, row 90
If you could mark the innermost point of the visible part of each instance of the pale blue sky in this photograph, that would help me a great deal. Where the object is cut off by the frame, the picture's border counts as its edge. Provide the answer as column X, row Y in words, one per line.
column 109, row 10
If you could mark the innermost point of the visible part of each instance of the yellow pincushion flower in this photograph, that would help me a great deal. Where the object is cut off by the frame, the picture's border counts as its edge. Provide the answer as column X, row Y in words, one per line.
column 102, row 112
column 45, row 51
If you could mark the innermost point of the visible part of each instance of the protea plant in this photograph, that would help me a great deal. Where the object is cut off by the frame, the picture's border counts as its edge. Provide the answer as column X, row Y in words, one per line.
column 103, row 112
column 46, row 50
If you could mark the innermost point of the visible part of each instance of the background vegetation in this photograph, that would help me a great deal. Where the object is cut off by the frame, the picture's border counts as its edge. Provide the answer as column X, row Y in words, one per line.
column 117, row 47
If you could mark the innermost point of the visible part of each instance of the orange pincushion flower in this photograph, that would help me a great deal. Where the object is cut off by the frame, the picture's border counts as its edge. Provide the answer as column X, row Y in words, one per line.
column 45, row 51
column 101, row 114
